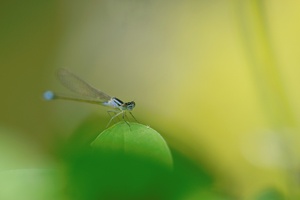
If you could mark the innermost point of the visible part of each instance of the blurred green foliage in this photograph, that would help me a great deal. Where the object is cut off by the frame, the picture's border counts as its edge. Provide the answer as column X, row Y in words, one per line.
column 122, row 164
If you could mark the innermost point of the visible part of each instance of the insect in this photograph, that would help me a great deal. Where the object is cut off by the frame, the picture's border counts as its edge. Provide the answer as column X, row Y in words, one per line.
column 84, row 92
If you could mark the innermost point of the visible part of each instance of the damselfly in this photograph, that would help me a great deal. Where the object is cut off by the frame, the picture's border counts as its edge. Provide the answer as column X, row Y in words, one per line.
column 84, row 92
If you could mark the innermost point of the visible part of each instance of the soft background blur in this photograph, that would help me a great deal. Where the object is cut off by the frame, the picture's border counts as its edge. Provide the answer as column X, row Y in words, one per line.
column 218, row 79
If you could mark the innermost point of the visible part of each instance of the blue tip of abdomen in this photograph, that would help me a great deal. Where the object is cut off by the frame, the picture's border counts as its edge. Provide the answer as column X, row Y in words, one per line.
column 48, row 95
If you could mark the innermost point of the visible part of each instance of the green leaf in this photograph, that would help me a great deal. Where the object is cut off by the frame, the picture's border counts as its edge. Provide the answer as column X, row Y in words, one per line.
column 134, row 139
column 129, row 162
column 126, row 161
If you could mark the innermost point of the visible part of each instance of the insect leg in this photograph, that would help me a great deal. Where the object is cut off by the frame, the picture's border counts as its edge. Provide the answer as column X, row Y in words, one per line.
column 113, row 117
column 133, row 117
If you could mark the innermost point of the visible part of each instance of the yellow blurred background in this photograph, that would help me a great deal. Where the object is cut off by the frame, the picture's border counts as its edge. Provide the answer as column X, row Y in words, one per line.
column 218, row 79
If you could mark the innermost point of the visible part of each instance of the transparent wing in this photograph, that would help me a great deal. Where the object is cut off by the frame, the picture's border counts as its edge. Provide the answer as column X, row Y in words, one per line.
column 79, row 86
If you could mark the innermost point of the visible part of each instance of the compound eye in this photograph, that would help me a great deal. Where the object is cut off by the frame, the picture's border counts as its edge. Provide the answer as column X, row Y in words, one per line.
column 131, row 105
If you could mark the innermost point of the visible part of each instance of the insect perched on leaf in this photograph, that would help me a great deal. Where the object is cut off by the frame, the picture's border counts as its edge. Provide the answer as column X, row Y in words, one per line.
column 84, row 92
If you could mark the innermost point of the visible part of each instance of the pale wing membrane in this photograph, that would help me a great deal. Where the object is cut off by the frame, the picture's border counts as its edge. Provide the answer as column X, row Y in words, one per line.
column 79, row 86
